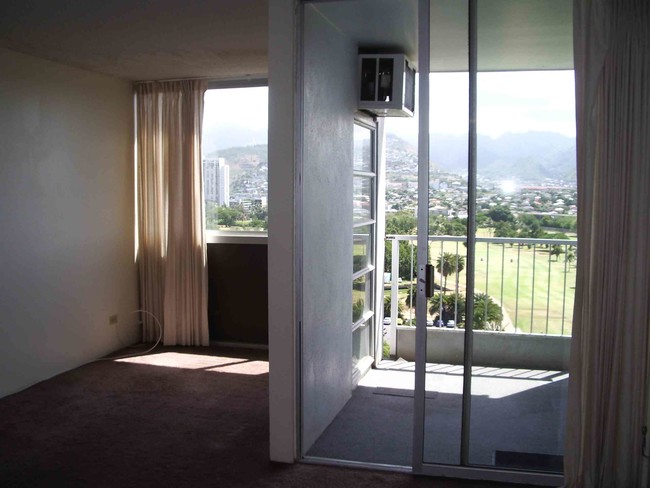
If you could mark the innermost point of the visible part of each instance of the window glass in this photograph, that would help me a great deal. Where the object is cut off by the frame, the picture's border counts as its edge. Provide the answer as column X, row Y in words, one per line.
column 361, row 296
column 235, row 161
column 362, row 246
column 362, row 187
column 362, row 149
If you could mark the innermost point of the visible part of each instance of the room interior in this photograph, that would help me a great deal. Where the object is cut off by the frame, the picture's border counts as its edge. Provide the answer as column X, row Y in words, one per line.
column 67, row 185
column 68, row 120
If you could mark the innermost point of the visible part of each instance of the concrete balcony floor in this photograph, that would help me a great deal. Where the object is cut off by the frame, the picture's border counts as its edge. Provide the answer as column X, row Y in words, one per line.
column 517, row 419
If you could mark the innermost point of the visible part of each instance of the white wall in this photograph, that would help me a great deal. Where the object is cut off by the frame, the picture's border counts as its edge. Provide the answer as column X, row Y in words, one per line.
column 281, row 235
column 330, row 67
column 66, row 220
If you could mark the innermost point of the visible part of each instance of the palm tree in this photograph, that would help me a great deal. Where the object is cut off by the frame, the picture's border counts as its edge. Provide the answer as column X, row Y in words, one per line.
column 556, row 250
column 454, row 301
column 487, row 314
column 388, row 306
column 570, row 256
column 449, row 263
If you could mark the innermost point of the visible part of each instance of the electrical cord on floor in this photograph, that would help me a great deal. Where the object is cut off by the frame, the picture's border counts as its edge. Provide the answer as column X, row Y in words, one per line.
column 160, row 332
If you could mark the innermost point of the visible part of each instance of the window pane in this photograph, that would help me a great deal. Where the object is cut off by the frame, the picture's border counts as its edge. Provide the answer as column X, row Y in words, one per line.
column 526, row 192
column 361, row 342
column 235, row 162
column 361, row 296
column 362, row 248
column 363, row 198
column 362, row 149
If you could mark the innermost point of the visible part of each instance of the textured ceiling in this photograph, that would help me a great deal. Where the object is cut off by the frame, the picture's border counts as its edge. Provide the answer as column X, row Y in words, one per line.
column 165, row 39
column 142, row 39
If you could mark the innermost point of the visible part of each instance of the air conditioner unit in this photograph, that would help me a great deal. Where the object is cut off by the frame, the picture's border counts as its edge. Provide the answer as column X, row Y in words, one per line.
column 387, row 85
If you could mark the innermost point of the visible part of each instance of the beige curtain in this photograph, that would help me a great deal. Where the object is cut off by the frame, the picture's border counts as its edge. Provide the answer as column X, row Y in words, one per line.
column 172, row 248
column 609, row 356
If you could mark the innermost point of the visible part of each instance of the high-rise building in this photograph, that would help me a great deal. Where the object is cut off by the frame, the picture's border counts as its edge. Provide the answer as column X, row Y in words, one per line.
column 216, row 181
column 223, row 197
column 210, row 179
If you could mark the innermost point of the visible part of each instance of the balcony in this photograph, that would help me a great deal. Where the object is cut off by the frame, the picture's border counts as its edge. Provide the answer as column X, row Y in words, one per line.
column 520, row 360
column 524, row 291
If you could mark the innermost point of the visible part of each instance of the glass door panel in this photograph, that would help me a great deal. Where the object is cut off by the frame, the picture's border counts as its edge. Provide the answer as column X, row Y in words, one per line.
column 501, row 205
column 447, row 219
column 526, row 190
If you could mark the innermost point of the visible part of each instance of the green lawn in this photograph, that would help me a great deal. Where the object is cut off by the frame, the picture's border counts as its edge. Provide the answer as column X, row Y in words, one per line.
column 519, row 278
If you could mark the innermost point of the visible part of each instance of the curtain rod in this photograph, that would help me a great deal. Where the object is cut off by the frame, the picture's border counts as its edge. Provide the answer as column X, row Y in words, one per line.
column 210, row 79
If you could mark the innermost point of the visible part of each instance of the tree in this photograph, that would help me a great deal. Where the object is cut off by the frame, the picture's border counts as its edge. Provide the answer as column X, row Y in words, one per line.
column 401, row 223
column 258, row 212
column 556, row 250
column 411, row 297
column 442, row 226
column 455, row 302
column 529, row 226
column 455, row 227
column 505, row 229
column 228, row 216
column 404, row 270
column 487, row 314
column 570, row 255
column 387, row 307
column 357, row 309
column 500, row 213
column 448, row 264
column 482, row 220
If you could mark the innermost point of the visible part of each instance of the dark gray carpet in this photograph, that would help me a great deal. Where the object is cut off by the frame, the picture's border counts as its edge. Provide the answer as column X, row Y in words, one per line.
column 376, row 424
column 193, row 417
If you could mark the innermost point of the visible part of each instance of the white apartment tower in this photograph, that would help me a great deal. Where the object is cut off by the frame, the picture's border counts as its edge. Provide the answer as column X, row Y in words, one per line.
column 216, row 181
column 223, row 197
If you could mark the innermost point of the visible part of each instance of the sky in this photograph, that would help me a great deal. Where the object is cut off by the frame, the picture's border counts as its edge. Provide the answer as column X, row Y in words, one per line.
column 507, row 102
column 516, row 101
column 237, row 116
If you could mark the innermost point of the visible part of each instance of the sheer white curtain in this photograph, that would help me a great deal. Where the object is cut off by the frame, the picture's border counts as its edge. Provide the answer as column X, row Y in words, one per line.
column 171, row 247
column 609, row 363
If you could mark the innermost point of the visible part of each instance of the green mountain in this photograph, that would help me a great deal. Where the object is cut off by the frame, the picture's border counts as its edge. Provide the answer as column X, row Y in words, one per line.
column 529, row 157
column 243, row 158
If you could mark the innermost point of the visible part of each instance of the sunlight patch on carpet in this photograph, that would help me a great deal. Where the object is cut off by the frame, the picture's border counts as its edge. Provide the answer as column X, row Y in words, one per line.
column 199, row 361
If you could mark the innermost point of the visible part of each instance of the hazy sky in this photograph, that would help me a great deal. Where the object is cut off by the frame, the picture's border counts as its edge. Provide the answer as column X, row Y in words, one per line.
column 507, row 102
column 238, row 115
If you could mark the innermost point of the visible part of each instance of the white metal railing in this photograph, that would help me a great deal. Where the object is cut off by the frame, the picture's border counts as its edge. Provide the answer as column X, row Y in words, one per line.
column 531, row 281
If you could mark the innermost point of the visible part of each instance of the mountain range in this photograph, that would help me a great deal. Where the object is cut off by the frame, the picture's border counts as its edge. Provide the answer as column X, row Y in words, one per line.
column 528, row 157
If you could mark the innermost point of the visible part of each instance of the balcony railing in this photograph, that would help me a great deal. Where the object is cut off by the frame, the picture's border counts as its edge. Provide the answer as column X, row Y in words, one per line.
column 522, row 286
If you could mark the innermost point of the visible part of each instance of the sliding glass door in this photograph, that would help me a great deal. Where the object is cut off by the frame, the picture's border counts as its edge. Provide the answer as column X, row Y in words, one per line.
column 497, row 161
column 492, row 285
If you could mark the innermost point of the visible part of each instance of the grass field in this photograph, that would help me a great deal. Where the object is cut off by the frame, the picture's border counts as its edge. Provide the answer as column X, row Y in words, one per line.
column 535, row 290
column 519, row 278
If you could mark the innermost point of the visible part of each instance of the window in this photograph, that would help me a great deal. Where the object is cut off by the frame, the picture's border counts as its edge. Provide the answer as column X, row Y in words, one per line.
column 235, row 162
column 364, row 223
